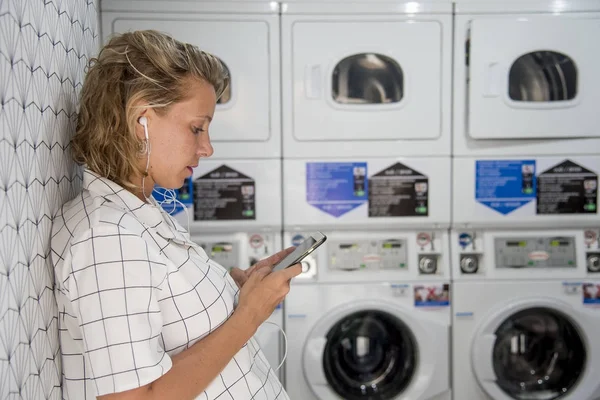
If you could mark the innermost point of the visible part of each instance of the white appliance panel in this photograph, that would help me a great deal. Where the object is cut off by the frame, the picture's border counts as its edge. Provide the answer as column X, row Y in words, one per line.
column 496, row 109
column 316, row 115
column 331, row 110
column 525, row 254
column 377, row 256
column 497, row 42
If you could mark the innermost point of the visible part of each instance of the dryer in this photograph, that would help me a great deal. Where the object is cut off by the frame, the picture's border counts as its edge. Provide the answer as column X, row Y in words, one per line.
column 525, row 81
column 526, row 139
column 245, row 37
column 370, row 318
column 366, row 79
column 232, row 203
column 365, row 148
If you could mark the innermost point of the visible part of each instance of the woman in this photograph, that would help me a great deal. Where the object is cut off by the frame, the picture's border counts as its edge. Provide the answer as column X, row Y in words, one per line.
column 144, row 313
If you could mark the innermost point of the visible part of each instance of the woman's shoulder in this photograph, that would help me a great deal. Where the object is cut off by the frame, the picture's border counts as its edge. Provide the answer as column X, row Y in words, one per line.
column 87, row 212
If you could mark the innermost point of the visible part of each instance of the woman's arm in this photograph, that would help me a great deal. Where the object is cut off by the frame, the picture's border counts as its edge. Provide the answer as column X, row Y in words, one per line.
column 194, row 368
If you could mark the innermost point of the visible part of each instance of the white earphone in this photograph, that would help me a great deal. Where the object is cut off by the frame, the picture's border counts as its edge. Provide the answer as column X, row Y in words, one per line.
column 144, row 122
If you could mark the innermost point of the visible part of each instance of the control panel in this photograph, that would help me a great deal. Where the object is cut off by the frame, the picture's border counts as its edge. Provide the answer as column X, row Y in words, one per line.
column 227, row 254
column 240, row 250
column 372, row 256
column 535, row 252
column 388, row 254
column 523, row 253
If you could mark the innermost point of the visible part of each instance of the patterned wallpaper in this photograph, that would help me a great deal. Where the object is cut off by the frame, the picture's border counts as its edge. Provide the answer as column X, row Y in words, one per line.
column 44, row 47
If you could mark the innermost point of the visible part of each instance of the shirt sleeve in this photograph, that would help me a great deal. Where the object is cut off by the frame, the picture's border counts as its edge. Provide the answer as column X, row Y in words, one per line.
column 114, row 287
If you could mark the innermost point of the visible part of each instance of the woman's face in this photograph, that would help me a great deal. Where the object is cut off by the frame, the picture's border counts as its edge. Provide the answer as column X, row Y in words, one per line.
column 179, row 137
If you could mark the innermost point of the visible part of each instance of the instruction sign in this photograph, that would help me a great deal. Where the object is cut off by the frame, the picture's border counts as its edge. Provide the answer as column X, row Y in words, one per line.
column 567, row 188
column 224, row 194
column 505, row 185
column 336, row 188
column 398, row 191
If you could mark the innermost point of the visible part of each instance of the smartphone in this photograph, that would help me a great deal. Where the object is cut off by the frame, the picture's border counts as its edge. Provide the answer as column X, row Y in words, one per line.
column 300, row 252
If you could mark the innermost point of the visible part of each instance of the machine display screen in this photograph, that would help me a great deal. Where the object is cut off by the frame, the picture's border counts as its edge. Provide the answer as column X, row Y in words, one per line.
column 535, row 252
column 521, row 243
column 221, row 247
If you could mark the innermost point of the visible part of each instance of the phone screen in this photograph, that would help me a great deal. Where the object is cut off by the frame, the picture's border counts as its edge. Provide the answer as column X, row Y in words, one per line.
column 298, row 254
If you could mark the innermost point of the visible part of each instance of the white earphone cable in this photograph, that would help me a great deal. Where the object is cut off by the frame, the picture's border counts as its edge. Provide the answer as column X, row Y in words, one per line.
column 285, row 341
column 169, row 195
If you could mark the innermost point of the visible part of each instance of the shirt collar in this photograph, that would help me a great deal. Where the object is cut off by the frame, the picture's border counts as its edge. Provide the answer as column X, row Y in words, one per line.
column 149, row 214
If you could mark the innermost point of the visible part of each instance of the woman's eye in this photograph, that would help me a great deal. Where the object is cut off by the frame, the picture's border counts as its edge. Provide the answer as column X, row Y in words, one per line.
column 197, row 130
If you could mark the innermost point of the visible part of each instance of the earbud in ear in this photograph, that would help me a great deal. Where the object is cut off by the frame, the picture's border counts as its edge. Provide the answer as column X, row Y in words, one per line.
column 144, row 122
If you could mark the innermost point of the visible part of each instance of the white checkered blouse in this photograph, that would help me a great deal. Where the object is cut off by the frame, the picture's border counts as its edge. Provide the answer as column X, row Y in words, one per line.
column 133, row 290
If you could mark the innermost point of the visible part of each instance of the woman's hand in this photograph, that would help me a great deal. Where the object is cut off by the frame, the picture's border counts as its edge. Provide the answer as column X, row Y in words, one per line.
column 240, row 276
column 263, row 291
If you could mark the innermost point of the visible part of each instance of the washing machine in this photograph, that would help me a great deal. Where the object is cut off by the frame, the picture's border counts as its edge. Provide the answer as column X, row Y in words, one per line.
column 232, row 203
column 369, row 317
column 364, row 144
column 526, row 339
column 526, row 312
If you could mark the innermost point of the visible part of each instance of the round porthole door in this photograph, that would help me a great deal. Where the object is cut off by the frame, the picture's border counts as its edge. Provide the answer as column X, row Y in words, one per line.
column 536, row 350
column 360, row 352
column 369, row 354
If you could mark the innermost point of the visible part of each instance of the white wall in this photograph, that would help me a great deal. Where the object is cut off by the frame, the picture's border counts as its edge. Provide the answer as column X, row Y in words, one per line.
column 44, row 47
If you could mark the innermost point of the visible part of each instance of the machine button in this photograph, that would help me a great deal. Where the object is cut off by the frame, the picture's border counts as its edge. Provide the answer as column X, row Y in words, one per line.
column 593, row 262
column 469, row 264
column 427, row 264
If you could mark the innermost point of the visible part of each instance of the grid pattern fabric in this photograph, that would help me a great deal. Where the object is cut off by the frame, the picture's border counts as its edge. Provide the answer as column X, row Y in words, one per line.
column 133, row 290
column 44, row 47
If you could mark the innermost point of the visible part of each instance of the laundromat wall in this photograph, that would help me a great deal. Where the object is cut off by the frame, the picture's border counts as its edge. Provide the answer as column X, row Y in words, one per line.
column 450, row 151
column 44, row 47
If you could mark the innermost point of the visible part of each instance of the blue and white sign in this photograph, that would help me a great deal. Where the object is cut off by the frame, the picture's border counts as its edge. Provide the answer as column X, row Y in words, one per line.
column 297, row 239
column 464, row 240
column 505, row 185
column 336, row 188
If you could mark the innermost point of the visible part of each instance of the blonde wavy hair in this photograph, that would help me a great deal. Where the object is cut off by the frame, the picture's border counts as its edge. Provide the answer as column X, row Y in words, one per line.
column 141, row 67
